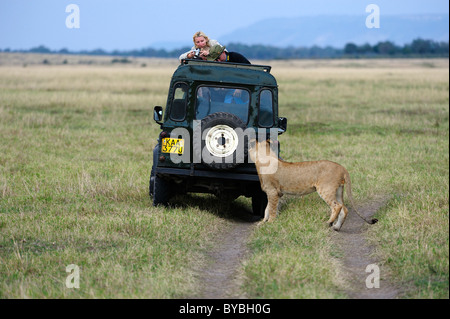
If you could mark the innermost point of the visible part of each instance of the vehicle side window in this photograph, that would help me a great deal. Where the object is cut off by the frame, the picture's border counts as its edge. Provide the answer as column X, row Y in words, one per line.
column 265, row 117
column 179, row 102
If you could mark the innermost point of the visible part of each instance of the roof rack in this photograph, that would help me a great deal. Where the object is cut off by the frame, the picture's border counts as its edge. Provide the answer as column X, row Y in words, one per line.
column 265, row 68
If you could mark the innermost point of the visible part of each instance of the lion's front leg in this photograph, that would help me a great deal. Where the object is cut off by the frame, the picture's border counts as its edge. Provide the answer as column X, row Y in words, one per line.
column 272, row 206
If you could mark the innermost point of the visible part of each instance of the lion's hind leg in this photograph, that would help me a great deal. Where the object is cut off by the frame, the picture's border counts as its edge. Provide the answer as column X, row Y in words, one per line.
column 336, row 208
column 331, row 198
column 344, row 211
column 341, row 218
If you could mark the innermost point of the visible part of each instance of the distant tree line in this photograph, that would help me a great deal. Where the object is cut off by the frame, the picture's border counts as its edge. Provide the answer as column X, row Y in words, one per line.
column 384, row 49
column 418, row 47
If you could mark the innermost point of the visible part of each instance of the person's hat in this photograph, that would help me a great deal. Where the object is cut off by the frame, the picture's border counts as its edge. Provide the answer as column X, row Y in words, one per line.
column 215, row 52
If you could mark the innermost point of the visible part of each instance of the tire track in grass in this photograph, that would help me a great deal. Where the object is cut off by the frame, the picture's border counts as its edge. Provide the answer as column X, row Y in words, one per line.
column 357, row 255
column 221, row 277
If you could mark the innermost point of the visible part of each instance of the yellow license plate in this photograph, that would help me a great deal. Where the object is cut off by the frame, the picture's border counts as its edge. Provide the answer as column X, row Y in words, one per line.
column 172, row 145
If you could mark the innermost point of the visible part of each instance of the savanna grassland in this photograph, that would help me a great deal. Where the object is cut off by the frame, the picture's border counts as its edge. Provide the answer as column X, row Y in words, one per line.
column 76, row 150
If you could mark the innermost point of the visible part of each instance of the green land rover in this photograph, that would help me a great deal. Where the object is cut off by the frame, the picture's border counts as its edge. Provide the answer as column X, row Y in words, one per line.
column 213, row 110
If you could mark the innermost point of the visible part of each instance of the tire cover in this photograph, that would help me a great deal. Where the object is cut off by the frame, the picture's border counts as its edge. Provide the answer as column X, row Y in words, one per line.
column 222, row 139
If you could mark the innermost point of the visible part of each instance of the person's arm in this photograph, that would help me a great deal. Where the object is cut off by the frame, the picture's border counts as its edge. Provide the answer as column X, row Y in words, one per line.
column 185, row 55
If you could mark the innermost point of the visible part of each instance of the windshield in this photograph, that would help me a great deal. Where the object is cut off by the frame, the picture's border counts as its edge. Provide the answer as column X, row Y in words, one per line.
column 222, row 99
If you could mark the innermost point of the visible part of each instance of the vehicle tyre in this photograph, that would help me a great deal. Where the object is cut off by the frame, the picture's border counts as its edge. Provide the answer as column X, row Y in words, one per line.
column 152, row 172
column 151, row 184
column 223, row 144
column 161, row 191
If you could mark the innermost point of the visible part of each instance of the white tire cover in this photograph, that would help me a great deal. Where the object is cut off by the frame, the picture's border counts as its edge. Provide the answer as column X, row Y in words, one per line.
column 221, row 141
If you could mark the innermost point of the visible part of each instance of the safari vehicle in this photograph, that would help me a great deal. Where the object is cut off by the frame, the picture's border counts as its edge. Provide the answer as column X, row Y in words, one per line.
column 212, row 108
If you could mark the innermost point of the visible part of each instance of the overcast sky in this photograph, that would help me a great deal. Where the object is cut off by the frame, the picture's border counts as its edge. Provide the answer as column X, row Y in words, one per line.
column 135, row 24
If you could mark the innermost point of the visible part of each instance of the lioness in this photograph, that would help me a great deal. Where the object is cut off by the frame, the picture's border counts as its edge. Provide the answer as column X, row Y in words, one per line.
column 278, row 177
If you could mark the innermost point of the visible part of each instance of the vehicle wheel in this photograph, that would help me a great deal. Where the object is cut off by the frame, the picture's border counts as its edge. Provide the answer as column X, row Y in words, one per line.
column 259, row 203
column 151, row 184
column 223, row 145
column 161, row 191
column 152, row 173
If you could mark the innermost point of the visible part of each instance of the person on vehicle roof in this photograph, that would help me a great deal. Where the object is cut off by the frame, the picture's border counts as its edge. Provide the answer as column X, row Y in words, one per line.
column 201, row 48
column 218, row 53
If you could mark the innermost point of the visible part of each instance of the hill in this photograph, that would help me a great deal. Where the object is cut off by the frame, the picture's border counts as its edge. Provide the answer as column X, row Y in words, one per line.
column 336, row 31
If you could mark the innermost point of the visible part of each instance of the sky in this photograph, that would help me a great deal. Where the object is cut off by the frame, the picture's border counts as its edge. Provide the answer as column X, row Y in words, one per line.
column 135, row 24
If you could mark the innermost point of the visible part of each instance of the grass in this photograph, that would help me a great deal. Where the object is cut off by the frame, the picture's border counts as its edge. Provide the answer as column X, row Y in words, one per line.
column 293, row 257
column 389, row 127
column 76, row 150
column 76, row 158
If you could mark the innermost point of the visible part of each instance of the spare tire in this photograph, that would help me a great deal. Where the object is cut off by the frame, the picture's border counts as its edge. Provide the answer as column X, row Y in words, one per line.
column 223, row 145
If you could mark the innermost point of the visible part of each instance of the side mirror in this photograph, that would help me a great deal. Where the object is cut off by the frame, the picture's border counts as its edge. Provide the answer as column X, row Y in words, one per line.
column 282, row 125
column 158, row 114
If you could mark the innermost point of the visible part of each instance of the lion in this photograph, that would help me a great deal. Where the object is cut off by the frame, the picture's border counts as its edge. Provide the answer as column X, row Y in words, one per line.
column 278, row 177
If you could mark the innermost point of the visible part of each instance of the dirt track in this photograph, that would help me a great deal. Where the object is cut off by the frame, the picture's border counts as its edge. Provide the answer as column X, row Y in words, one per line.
column 221, row 277
column 357, row 256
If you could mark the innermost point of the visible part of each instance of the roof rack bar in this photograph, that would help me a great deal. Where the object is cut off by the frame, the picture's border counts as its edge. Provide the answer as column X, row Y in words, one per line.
column 265, row 68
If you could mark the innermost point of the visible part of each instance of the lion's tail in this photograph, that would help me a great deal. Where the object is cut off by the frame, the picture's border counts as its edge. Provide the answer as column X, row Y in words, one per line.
column 348, row 188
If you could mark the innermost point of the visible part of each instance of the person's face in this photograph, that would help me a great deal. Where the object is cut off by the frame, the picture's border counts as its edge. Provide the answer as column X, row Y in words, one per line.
column 200, row 42
column 222, row 57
